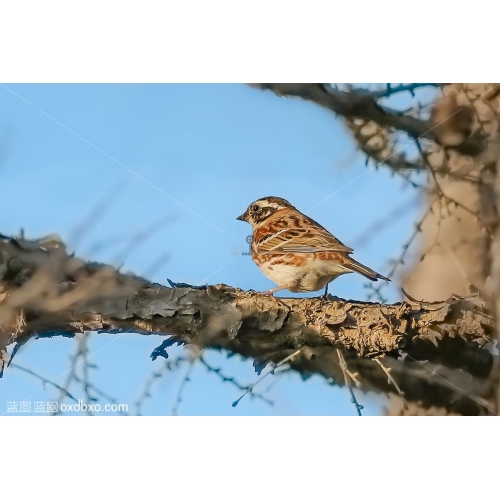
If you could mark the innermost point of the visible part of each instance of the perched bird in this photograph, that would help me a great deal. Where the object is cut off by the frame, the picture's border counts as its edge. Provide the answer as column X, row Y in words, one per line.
column 296, row 252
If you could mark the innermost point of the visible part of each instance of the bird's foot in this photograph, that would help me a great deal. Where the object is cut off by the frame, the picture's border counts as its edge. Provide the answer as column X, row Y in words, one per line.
column 325, row 297
column 270, row 293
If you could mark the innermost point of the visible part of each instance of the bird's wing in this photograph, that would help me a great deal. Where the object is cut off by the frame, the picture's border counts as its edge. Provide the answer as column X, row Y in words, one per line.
column 308, row 239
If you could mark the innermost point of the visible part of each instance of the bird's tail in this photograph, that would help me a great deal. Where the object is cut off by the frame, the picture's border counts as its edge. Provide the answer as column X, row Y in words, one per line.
column 356, row 267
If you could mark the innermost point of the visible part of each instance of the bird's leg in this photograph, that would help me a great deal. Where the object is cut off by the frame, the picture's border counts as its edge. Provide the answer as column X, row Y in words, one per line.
column 324, row 297
column 288, row 286
column 272, row 291
column 269, row 293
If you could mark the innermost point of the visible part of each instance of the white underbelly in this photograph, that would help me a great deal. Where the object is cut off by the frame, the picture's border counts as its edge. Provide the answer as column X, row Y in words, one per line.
column 312, row 277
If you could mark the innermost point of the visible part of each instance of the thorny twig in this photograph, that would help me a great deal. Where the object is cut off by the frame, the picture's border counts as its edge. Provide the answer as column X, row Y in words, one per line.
column 85, row 368
column 375, row 290
column 185, row 380
column 232, row 381
column 441, row 195
column 70, row 378
column 168, row 365
column 349, row 378
column 45, row 380
column 104, row 395
column 251, row 387
column 383, row 222
column 390, row 380
column 402, row 87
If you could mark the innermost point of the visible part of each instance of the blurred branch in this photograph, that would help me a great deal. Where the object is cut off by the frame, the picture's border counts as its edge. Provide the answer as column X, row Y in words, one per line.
column 45, row 381
column 364, row 105
column 397, row 89
column 451, row 333
column 232, row 381
column 185, row 380
column 168, row 366
column 349, row 379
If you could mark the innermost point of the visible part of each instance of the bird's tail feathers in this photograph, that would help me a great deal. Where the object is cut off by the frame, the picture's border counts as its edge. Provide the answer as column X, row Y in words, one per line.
column 355, row 266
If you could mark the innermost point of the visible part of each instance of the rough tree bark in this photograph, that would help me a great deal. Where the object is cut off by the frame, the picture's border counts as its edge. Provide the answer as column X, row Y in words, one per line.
column 434, row 351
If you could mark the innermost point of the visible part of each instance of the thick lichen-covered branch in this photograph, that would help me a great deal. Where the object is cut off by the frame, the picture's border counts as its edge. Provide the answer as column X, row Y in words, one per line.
column 57, row 293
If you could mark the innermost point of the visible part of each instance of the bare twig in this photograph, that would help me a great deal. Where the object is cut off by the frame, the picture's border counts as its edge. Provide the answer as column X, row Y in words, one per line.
column 83, row 341
column 232, row 381
column 375, row 289
column 168, row 365
column 390, row 380
column 396, row 89
column 185, row 380
column 103, row 394
column 384, row 222
column 349, row 378
column 251, row 387
column 45, row 380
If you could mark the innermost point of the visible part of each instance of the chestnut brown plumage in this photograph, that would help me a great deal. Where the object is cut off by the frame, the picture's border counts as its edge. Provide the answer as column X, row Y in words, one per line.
column 296, row 252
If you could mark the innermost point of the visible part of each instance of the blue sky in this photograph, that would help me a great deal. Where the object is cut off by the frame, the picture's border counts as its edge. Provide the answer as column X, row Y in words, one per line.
column 173, row 166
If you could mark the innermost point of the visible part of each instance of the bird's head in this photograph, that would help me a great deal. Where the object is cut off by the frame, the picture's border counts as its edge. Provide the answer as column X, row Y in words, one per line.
column 263, row 208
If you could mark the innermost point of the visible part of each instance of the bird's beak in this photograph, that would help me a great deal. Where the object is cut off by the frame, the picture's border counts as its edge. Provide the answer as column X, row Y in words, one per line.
column 242, row 217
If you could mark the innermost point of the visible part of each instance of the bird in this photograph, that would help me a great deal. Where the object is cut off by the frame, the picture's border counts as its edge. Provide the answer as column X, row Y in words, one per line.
column 296, row 252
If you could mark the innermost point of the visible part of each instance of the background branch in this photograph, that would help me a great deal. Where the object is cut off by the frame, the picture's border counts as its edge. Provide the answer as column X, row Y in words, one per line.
column 365, row 105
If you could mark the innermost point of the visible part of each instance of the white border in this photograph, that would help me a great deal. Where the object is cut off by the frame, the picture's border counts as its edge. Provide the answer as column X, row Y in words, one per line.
column 262, row 40
column 245, row 457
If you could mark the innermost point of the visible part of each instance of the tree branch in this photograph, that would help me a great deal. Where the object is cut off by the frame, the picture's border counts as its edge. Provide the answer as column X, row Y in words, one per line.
column 364, row 105
column 59, row 294
column 397, row 89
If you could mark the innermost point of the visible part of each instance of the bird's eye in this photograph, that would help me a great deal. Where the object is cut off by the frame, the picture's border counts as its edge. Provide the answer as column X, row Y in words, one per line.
column 255, row 208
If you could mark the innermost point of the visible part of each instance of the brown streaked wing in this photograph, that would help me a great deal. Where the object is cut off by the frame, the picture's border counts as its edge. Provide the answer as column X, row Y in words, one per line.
column 309, row 238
